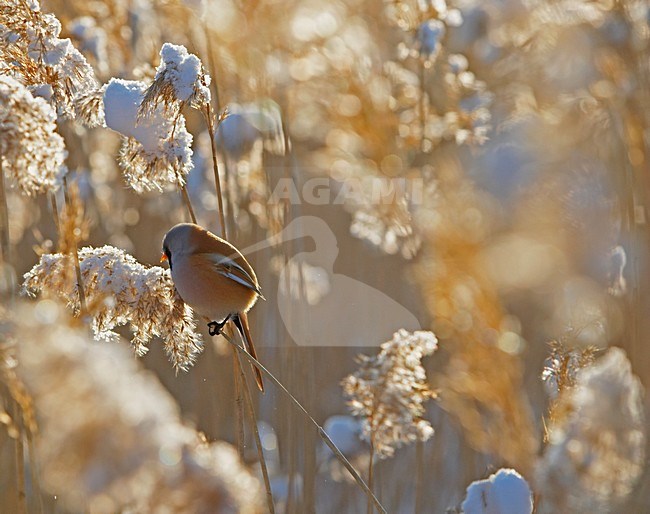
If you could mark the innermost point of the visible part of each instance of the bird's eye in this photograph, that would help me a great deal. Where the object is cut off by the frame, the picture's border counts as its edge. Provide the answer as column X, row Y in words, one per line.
column 168, row 254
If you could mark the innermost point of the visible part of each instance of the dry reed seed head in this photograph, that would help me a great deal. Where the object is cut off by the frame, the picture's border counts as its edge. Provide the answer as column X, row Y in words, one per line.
column 156, row 153
column 110, row 437
column 120, row 291
column 32, row 152
column 563, row 364
column 89, row 107
column 424, row 123
column 144, row 171
column 387, row 226
column 30, row 42
column 596, row 453
column 389, row 390
column 180, row 79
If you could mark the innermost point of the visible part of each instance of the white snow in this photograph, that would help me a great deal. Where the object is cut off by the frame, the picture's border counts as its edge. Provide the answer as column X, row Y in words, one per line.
column 505, row 492
column 121, row 102
column 184, row 70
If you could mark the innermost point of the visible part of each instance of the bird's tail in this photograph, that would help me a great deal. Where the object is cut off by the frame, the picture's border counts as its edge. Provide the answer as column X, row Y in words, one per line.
column 241, row 322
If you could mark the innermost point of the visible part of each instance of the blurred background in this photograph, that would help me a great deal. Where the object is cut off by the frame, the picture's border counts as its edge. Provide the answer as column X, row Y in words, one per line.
column 519, row 132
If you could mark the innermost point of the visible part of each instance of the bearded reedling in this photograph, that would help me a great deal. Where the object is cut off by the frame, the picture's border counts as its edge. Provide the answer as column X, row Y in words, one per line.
column 213, row 278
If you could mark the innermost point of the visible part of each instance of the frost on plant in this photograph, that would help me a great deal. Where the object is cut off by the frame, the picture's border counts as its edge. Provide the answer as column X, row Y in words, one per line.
column 156, row 152
column 388, row 226
column 561, row 371
column 32, row 152
column 119, row 291
column 596, row 450
column 110, row 437
column 180, row 79
column 30, row 48
column 465, row 117
column 389, row 390
column 504, row 492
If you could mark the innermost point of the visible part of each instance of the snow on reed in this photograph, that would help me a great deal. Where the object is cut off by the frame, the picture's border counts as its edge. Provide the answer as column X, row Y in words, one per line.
column 119, row 291
column 596, row 448
column 33, row 52
column 110, row 436
column 504, row 492
column 32, row 152
column 389, row 390
column 156, row 152
column 180, row 79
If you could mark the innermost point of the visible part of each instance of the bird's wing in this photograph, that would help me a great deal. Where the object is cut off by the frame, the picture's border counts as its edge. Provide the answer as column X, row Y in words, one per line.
column 230, row 269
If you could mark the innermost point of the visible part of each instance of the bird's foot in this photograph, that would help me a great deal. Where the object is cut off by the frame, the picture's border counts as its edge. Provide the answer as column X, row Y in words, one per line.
column 214, row 327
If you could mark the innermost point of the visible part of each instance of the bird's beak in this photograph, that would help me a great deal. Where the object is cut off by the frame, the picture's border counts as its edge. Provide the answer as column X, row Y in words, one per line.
column 163, row 257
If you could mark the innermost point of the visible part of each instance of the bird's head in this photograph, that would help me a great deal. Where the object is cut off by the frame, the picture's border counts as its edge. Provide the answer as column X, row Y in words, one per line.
column 181, row 239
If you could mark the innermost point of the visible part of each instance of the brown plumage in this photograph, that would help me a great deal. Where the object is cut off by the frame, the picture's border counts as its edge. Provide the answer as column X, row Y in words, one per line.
column 214, row 278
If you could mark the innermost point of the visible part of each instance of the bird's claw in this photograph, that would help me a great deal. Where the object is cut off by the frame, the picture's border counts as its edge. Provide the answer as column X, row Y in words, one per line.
column 214, row 327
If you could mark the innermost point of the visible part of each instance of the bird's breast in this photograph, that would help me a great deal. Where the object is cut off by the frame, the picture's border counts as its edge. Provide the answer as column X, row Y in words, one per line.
column 209, row 293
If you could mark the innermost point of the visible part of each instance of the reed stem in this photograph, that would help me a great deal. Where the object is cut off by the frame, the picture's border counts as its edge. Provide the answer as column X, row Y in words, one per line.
column 371, row 509
column 236, row 366
column 21, row 495
column 321, row 432
column 215, row 166
column 419, row 477
column 33, row 472
column 188, row 204
column 4, row 219
column 55, row 213
column 256, row 433
column 80, row 287
column 7, row 278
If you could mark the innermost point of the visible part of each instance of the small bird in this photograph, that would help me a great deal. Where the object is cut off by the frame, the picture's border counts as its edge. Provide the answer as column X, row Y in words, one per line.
column 213, row 278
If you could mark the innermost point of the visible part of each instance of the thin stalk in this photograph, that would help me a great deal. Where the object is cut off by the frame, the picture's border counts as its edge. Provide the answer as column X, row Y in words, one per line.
column 228, row 197
column 423, row 118
column 20, row 467
column 33, row 470
column 419, row 477
column 292, row 432
column 309, row 441
column 236, row 366
column 321, row 432
column 371, row 510
column 4, row 219
column 55, row 213
column 80, row 287
column 256, row 433
column 184, row 194
column 215, row 166
column 212, row 63
column 188, row 204
column 7, row 271
column 289, row 507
